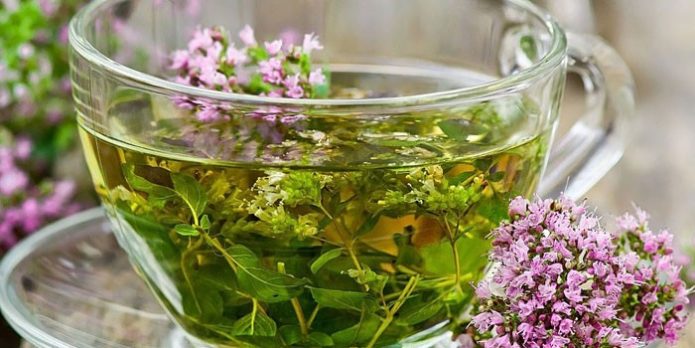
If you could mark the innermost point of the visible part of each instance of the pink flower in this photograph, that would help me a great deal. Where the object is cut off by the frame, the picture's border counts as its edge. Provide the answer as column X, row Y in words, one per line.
column 12, row 182
column 179, row 59
column 48, row 7
column 273, row 47
column 316, row 77
column 580, row 273
column 202, row 39
column 247, row 37
column 311, row 42
column 236, row 56
column 22, row 148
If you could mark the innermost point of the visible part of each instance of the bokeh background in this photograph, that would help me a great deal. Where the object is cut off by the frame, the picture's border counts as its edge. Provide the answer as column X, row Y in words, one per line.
column 656, row 38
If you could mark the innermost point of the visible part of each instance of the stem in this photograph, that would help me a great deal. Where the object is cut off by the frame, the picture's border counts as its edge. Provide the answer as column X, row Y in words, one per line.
column 324, row 211
column 313, row 316
column 348, row 243
column 215, row 244
column 184, row 256
column 390, row 312
column 455, row 252
column 253, row 314
column 303, row 326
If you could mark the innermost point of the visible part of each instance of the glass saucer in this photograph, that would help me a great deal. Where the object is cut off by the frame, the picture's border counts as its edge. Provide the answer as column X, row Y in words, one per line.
column 70, row 286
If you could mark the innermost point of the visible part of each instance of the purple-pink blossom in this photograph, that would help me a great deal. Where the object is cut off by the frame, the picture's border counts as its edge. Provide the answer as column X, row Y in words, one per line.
column 563, row 281
column 276, row 69
column 25, row 205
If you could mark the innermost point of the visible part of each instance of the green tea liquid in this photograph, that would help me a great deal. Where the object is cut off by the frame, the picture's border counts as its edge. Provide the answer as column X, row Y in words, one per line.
column 272, row 256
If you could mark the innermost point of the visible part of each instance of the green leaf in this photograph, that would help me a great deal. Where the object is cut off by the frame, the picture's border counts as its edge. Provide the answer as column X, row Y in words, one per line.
column 461, row 129
column 205, row 222
column 415, row 311
column 190, row 190
column 320, row 339
column 202, row 302
column 497, row 176
column 460, row 178
column 186, row 230
column 439, row 259
column 340, row 299
column 260, row 283
column 528, row 46
column 258, row 324
column 291, row 334
column 368, row 225
column 360, row 333
column 325, row 258
column 156, row 193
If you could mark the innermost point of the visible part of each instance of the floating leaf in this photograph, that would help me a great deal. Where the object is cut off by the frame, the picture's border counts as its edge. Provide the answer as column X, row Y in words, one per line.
column 189, row 189
column 291, row 334
column 156, row 193
column 205, row 222
column 360, row 333
column 368, row 225
column 186, row 230
column 415, row 310
column 255, row 323
column 340, row 299
column 320, row 339
column 263, row 284
column 325, row 258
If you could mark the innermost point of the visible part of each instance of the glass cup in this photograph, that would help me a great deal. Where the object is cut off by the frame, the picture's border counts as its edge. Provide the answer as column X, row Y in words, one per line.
column 360, row 219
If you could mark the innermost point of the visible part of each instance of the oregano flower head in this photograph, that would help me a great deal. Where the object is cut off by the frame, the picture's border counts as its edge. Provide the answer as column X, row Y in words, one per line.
column 274, row 69
column 563, row 281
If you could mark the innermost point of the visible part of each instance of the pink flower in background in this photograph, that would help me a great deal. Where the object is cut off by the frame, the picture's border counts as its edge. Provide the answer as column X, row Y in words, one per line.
column 311, row 43
column 24, row 206
column 273, row 47
column 247, row 37
column 317, row 77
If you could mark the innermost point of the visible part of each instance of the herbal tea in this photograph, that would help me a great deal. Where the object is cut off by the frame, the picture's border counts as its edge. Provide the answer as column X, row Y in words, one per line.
column 304, row 251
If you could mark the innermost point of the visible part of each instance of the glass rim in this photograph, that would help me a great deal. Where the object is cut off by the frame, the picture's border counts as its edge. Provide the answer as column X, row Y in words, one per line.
column 487, row 90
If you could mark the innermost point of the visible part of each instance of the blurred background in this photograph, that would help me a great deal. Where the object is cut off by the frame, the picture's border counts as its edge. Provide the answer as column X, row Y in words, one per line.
column 656, row 38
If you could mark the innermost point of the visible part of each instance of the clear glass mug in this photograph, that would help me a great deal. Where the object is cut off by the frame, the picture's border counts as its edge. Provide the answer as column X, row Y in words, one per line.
column 354, row 220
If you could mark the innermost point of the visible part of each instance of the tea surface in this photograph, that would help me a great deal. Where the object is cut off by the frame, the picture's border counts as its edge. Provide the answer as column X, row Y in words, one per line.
column 312, row 255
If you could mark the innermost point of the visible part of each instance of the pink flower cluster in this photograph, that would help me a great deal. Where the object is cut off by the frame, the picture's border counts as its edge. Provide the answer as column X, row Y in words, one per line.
column 562, row 281
column 25, row 207
column 275, row 69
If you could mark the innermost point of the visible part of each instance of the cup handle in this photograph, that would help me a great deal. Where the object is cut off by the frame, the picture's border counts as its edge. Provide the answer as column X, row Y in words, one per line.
column 596, row 142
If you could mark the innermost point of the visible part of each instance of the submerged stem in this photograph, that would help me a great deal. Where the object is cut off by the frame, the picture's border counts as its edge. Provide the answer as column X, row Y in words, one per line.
column 313, row 316
column 298, row 311
column 390, row 312
column 455, row 252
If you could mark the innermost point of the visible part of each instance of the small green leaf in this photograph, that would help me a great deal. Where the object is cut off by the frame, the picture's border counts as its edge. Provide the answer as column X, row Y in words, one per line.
column 359, row 333
column 263, row 284
column 460, row 178
column 460, row 129
column 496, row 176
column 291, row 334
column 340, row 299
column 528, row 46
column 190, row 190
column 186, row 230
column 259, row 324
column 320, row 339
column 205, row 222
column 325, row 258
column 415, row 311
column 368, row 225
column 155, row 192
